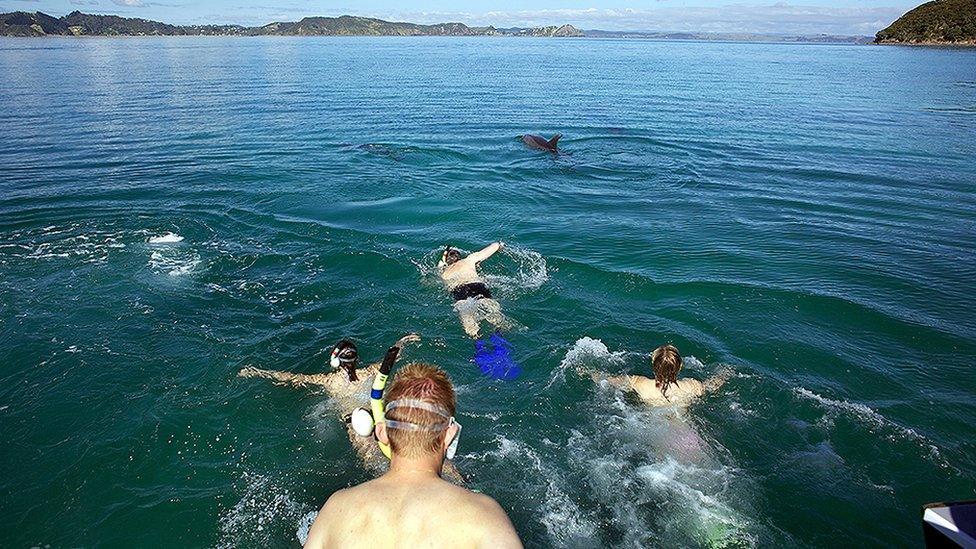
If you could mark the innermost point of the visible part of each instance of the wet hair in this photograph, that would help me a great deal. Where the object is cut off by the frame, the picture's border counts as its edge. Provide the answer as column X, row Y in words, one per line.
column 427, row 383
column 666, row 363
column 451, row 255
column 348, row 357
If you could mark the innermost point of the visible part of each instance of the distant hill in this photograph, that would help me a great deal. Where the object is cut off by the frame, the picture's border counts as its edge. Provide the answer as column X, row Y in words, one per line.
column 938, row 22
column 83, row 24
column 21, row 23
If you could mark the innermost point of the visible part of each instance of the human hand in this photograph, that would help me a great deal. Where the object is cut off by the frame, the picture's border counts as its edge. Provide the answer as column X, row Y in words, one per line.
column 250, row 371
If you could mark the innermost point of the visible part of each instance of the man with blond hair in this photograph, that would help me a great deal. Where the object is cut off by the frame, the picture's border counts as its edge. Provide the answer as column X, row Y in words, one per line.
column 410, row 505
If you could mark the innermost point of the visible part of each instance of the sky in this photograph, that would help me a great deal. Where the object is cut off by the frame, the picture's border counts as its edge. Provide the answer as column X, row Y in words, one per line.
column 851, row 17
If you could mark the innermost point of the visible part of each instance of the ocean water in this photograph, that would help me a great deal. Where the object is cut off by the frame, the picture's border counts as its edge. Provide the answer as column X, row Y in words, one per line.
column 172, row 210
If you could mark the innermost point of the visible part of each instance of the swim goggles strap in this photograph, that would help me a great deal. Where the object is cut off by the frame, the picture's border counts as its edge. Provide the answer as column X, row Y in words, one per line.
column 414, row 403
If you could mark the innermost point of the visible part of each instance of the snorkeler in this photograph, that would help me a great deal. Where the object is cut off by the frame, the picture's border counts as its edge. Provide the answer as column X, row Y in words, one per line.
column 349, row 387
column 472, row 297
column 665, row 389
column 411, row 505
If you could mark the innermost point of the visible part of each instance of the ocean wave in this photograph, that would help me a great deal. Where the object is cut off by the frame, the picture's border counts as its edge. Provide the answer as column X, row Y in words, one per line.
column 529, row 273
column 565, row 522
column 585, row 356
column 174, row 263
column 658, row 478
column 305, row 525
column 73, row 241
column 871, row 418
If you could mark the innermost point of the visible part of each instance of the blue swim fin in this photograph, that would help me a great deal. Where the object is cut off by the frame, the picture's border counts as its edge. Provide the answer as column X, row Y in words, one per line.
column 482, row 357
column 505, row 366
column 496, row 362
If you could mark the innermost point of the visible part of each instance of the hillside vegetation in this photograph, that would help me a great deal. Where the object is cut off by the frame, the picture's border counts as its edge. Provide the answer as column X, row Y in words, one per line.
column 937, row 22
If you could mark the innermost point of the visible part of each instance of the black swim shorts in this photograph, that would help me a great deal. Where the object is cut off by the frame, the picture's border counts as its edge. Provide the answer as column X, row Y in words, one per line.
column 469, row 290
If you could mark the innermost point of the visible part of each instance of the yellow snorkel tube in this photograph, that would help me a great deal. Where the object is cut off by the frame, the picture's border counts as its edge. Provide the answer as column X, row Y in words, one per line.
column 376, row 395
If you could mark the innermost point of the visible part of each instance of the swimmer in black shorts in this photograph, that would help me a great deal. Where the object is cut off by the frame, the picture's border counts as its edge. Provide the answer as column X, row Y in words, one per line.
column 472, row 297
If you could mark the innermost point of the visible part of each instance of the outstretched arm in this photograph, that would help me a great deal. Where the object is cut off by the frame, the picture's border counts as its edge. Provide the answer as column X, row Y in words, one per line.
column 715, row 382
column 284, row 378
column 487, row 252
column 620, row 382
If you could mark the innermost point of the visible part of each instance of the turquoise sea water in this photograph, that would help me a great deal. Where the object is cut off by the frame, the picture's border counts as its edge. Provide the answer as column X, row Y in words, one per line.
column 172, row 210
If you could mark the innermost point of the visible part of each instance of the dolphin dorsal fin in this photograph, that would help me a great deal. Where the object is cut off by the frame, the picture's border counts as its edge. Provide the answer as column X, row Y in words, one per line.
column 554, row 140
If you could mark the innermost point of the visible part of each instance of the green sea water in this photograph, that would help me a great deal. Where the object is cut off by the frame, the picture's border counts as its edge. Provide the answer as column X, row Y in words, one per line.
column 172, row 210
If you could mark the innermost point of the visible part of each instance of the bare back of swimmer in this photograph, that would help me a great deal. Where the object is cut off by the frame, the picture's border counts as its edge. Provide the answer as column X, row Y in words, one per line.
column 410, row 505
column 473, row 300
column 665, row 389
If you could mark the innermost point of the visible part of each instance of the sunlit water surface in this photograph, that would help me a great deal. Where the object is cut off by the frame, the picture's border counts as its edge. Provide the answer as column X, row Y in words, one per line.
column 172, row 210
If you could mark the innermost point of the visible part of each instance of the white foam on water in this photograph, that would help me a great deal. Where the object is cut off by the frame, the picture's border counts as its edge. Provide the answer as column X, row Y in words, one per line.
column 166, row 238
column 305, row 525
column 66, row 242
column 530, row 272
column 872, row 419
column 517, row 271
column 262, row 510
column 656, row 477
column 566, row 524
column 174, row 263
column 586, row 356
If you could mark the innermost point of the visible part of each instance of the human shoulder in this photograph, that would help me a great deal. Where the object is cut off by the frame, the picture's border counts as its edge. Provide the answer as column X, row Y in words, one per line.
column 489, row 522
column 319, row 533
column 691, row 386
column 644, row 386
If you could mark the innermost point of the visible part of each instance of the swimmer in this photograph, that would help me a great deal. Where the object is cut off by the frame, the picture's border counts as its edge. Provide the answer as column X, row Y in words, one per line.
column 472, row 298
column 665, row 389
column 349, row 387
column 411, row 505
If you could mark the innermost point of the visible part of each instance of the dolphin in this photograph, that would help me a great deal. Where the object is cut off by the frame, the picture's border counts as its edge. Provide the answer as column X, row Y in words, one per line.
column 536, row 142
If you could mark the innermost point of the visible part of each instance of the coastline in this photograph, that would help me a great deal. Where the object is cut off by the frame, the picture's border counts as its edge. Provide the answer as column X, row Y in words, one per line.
column 960, row 45
column 435, row 36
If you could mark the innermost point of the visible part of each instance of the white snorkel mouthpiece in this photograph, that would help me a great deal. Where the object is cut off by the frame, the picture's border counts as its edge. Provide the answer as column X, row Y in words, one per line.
column 362, row 422
column 452, row 448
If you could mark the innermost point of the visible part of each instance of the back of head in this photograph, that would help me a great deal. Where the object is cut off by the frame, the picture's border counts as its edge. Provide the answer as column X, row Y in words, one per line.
column 429, row 384
column 666, row 363
column 451, row 255
column 345, row 356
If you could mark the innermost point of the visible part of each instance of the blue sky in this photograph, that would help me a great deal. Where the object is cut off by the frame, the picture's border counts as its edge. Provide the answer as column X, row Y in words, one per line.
column 800, row 16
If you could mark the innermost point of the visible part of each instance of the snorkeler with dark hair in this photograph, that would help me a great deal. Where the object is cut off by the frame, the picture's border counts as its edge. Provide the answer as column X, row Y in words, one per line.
column 473, row 300
column 349, row 387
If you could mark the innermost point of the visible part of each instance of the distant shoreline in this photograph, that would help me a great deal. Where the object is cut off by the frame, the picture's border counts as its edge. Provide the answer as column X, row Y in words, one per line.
column 954, row 45
column 487, row 37
column 78, row 24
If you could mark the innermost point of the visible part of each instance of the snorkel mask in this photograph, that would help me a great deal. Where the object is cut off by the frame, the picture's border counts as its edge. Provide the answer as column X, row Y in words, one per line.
column 450, row 256
column 432, row 408
column 344, row 355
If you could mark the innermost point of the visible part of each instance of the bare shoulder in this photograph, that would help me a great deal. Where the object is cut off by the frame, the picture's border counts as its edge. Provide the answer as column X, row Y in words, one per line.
column 691, row 386
column 644, row 387
column 493, row 522
column 318, row 534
